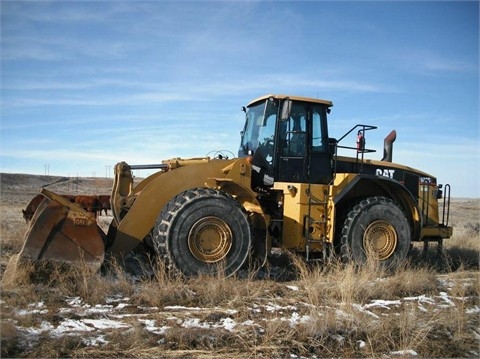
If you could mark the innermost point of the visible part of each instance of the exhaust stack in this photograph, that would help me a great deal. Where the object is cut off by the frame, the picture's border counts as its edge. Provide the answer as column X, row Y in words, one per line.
column 388, row 146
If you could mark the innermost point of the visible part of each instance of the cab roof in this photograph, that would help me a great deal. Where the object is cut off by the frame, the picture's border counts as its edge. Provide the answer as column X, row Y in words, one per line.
column 291, row 97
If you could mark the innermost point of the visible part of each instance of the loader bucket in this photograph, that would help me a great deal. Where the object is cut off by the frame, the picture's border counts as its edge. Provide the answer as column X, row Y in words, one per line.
column 61, row 233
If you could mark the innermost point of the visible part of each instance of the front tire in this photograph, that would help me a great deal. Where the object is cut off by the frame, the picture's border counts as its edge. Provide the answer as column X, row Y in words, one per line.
column 376, row 228
column 203, row 231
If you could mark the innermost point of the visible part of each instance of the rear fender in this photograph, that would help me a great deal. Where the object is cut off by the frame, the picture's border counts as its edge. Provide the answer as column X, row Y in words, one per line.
column 362, row 186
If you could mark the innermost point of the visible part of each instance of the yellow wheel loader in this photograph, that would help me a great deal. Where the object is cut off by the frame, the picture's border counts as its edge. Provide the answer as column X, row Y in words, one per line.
column 288, row 188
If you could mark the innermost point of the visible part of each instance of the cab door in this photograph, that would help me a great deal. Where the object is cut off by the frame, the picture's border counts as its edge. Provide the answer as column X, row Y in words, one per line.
column 292, row 149
column 303, row 153
column 320, row 163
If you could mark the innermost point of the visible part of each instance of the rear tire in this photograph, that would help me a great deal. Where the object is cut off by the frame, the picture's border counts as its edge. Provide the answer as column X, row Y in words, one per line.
column 203, row 231
column 376, row 228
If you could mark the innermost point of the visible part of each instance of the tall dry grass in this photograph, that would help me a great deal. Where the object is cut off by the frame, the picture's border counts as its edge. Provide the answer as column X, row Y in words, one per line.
column 328, row 300
column 327, row 297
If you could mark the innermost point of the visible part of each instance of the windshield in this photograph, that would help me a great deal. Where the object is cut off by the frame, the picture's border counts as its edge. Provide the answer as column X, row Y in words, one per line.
column 258, row 134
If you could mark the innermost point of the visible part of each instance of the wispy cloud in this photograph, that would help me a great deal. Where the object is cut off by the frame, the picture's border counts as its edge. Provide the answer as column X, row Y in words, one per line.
column 423, row 60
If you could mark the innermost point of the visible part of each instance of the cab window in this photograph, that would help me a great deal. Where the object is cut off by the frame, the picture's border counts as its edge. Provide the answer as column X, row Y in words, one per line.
column 296, row 132
column 319, row 135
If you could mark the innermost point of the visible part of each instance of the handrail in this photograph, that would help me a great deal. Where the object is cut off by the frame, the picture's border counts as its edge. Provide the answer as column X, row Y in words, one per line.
column 360, row 148
column 446, row 204
column 364, row 128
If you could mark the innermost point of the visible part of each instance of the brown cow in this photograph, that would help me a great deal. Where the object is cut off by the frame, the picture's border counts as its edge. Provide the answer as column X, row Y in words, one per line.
column 71, row 198
column 104, row 203
column 32, row 207
column 88, row 203
column 35, row 202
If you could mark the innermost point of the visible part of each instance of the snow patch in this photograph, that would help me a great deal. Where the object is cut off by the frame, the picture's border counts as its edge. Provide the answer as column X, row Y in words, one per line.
column 95, row 341
column 383, row 303
column 409, row 352
column 473, row 310
column 363, row 310
column 105, row 323
column 149, row 325
column 361, row 344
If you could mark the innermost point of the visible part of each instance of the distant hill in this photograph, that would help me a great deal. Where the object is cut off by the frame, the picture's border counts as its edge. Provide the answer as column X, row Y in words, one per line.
column 29, row 184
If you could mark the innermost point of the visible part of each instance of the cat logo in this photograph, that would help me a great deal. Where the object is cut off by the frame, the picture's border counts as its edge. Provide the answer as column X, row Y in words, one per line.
column 385, row 172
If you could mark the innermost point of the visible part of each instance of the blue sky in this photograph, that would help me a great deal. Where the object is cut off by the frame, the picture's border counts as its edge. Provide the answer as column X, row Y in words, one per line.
column 87, row 84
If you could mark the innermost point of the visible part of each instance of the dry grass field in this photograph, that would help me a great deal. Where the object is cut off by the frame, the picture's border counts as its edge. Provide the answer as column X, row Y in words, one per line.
column 430, row 308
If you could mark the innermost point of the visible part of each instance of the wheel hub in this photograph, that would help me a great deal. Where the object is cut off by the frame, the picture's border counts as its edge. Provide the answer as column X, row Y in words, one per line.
column 380, row 239
column 210, row 239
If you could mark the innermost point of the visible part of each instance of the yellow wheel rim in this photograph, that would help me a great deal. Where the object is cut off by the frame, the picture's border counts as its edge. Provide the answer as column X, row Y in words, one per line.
column 380, row 239
column 210, row 239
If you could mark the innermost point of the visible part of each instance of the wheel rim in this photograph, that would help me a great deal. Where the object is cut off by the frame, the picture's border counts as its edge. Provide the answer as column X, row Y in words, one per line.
column 210, row 239
column 380, row 239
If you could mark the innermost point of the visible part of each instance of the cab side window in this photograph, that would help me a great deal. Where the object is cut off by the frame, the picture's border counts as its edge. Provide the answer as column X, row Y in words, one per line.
column 316, row 132
column 296, row 135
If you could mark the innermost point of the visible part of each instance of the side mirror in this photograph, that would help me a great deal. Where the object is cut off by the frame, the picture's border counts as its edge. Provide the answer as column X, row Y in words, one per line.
column 286, row 109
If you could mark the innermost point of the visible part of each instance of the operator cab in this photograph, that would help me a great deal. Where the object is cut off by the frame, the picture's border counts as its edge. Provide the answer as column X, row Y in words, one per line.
column 287, row 138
